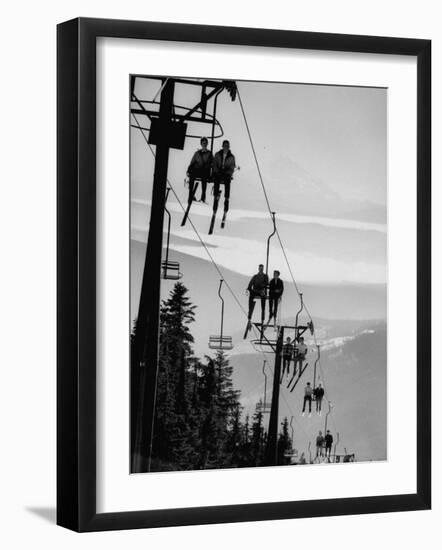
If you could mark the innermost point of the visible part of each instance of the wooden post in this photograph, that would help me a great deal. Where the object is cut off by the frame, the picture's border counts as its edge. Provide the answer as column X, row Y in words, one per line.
column 147, row 330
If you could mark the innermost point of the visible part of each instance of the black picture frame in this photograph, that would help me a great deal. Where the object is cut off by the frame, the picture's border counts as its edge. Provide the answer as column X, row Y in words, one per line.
column 76, row 273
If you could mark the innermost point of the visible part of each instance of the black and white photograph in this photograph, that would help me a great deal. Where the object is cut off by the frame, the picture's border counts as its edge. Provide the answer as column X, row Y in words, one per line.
column 218, row 225
column 258, row 274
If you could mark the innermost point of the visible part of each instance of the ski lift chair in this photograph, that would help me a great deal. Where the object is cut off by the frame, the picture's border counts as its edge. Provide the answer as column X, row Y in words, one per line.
column 263, row 406
column 292, row 453
column 220, row 341
column 170, row 269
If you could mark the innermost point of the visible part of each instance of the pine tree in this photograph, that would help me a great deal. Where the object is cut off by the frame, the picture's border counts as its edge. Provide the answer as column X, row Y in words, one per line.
column 211, row 429
column 221, row 403
column 257, row 440
column 174, row 428
column 197, row 420
column 284, row 442
column 235, row 438
column 246, row 447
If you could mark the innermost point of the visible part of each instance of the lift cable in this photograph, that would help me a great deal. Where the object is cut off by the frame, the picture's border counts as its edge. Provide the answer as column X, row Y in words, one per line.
column 264, row 190
column 270, row 209
column 215, row 265
column 325, row 386
column 277, row 231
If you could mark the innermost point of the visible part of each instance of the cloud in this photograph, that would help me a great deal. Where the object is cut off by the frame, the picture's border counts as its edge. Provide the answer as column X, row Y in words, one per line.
column 238, row 215
column 243, row 256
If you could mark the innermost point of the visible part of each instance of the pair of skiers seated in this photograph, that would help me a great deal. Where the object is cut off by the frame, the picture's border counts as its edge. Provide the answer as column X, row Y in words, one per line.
column 257, row 288
column 293, row 351
column 206, row 167
column 309, row 393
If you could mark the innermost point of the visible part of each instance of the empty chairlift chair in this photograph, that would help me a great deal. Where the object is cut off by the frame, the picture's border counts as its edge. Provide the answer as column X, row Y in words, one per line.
column 292, row 452
column 170, row 269
column 263, row 406
column 220, row 341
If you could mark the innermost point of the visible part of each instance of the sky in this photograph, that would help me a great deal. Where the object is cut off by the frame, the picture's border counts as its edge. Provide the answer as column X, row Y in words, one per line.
column 334, row 135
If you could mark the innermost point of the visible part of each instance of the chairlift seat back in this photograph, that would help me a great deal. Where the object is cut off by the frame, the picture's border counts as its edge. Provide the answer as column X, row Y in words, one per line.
column 171, row 270
column 290, row 454
column 220, row 343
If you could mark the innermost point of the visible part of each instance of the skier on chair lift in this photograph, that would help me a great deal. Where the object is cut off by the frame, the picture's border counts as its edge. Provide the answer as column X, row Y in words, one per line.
column 308, row 390
column 222, row 170
column 287, row 355
column 276, row 289
column 257, row 288
column 318, row 392
column 300, row 351
column 328, row 443
column 200, row 168
column 319, row 444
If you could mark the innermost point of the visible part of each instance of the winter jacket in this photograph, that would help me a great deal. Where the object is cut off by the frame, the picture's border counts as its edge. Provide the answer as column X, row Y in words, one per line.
column 276, row 288
column 301, row 349
column 201, row 164
column 328, row 440
column 229, row 164
column 287, row 350
column 319, row 393
column 308, row 390
column 319, row 441
column 258, row 283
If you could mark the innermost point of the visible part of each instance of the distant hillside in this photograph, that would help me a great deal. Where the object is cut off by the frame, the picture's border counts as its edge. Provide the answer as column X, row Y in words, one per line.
column 344, row 302
column 308, row 194
column 354, row 374
column 349, row 323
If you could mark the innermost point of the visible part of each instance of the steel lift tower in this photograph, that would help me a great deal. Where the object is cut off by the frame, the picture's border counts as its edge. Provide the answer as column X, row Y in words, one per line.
column 168, row 130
